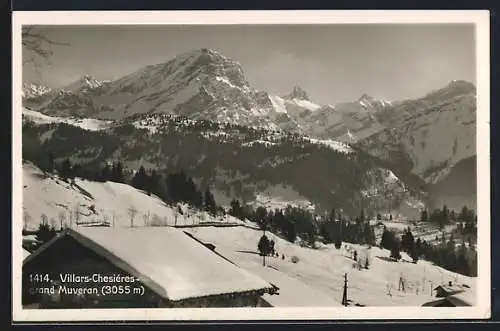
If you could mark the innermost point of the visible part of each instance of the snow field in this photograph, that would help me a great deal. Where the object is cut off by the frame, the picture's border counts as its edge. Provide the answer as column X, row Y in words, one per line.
column 315, row 280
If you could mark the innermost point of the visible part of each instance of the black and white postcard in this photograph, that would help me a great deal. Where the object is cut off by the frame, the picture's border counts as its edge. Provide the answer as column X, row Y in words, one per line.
column 266, row 165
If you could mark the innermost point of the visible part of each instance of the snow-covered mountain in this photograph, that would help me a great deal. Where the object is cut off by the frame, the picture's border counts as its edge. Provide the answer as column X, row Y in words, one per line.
column 31, row 90
column 84, row 84
column 430, row 135
column 204, row 84
column 348, row 121
column 420, row 136
column 201, row 84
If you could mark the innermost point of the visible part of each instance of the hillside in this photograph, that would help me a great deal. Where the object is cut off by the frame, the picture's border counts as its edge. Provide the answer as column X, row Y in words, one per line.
column 458, row 187
column 429, row 136
column 315, row 280
column 236, row 161
column 426, row 137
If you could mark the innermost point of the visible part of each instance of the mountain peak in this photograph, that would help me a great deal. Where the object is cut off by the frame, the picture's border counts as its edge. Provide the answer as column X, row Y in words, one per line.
column 85, row 82
column 366, row 97
column 31, row 90
column 206, row 55
column 452, row 89
column 298, row 93
column 367, row 101
column 462, row 85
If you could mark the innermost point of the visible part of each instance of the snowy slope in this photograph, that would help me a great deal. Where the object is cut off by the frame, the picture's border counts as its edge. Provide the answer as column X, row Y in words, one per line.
column 279, row 197
column 316, row 280
column 84, row 123
column 323, row 271
column 98, row 202
column 94, row 201
column 333, row 144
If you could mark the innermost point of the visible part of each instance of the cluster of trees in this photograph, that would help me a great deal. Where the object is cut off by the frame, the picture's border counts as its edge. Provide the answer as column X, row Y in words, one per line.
column 289, row 222
column 175, row 187
column 447, row 254
column 108, row 172
column 391, row 242
column 444, row 253
column 292, row 222
column 336, row 229
column 44, row 233
column 444, row 216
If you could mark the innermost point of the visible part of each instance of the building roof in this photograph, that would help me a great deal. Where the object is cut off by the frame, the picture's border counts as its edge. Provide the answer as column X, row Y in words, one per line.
column 466, row 298
column 166, row 260
column 450, row 289
column 462, row 299
column 26, row 253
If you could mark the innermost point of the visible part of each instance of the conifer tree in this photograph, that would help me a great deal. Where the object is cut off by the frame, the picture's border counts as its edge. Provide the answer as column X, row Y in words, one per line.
column 264, row 245
column 209, row 202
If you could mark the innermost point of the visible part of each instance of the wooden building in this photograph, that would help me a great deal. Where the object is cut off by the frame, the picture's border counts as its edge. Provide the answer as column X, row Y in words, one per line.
column 448, row 289
column 143, row 267
column 462, row 299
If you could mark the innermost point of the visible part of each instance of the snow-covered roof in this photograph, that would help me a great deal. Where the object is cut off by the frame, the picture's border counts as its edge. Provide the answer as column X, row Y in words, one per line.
column 167, row 261
column 26, row 253
column 465, row 298
column 462, row 299
column 450, row 289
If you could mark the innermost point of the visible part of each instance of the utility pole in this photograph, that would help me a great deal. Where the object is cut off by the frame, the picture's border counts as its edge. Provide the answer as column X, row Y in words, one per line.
column 264, row 254
column 344, row 295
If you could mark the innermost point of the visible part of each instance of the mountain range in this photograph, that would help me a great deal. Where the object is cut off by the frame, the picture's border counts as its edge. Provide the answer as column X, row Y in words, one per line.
column 426, row 140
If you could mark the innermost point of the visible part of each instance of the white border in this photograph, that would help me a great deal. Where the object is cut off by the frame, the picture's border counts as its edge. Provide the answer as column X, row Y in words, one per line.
column 479, row 18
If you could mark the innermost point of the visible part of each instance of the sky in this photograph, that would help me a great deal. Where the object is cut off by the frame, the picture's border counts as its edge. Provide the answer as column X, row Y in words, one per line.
column 333, row 63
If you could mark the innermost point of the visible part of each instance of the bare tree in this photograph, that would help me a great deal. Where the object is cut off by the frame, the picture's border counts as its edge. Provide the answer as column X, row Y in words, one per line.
column 77, row 213
column 44, row 219
column 62, row 218
column 70, row 218
column 146, row 219
column 26, row 219
column 37, row 44
column 105, row 218
column 132, row 212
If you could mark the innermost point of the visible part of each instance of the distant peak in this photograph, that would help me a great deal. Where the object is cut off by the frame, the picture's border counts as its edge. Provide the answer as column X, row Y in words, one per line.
column 367, row 101
column 298, row 93
column 87, row 77
column 453, row 88
column 207, row 53
column 366, row 97
column 461, row 83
